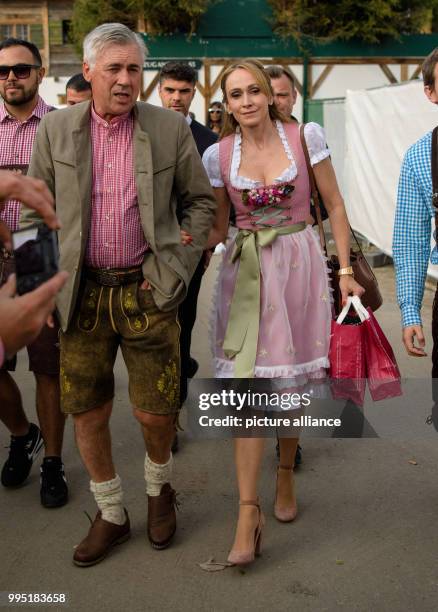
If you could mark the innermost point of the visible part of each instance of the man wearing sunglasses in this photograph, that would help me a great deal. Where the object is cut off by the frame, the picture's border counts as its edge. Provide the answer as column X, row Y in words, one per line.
column 21, row 74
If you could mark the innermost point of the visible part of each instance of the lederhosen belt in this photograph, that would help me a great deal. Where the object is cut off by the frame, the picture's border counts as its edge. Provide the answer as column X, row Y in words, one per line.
column 113, row 278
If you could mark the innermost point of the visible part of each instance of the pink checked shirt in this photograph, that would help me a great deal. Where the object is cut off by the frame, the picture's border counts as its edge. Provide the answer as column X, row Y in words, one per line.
column 116, row 238
column 16, row 141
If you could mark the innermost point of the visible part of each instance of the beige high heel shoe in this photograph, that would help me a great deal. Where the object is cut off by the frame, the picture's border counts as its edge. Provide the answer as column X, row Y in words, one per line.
column 243, row 557
column 285, row 515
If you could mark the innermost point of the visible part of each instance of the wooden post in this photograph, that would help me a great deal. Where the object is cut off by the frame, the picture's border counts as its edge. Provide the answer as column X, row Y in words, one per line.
column 45, row 19
column 141, row 24
column 207, row 89
column 416, row 73
column 388, row 73
column 307, row 85
column 322, row 77
column 150, row 88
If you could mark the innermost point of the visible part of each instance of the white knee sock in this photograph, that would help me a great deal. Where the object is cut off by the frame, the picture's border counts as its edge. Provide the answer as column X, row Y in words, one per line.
column 156, row 475
column 109, row 499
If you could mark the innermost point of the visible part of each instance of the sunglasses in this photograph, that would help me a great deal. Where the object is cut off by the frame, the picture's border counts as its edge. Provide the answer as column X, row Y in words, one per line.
column 21, row 71
column 214, row 110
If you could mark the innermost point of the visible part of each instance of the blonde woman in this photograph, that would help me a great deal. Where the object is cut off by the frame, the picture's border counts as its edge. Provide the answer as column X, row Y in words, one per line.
column 273, row 311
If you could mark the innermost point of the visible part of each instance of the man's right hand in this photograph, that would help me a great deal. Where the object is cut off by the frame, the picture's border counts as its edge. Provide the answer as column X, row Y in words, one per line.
column 409, row 334
column 22, row 317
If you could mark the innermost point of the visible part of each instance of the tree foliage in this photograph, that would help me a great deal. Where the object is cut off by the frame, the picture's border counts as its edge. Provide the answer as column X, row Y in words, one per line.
column 370, row 21
column 87, row 15
column 161, row 16
column 169, row 16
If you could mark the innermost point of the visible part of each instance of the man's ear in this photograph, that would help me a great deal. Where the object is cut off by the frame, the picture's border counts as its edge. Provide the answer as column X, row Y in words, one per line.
column 86, row 71
column 41, row 73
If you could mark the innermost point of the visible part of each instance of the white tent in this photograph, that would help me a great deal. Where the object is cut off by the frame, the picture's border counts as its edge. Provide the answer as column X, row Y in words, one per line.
column 380, row 125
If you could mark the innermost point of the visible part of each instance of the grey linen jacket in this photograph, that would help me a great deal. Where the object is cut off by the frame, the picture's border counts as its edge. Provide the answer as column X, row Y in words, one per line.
column 167, row 169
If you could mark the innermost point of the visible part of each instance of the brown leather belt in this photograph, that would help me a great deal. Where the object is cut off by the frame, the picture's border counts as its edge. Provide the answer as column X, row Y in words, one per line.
column 113, row 278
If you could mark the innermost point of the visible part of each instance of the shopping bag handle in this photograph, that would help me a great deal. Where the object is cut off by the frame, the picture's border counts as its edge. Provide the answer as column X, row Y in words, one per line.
column 353, row 300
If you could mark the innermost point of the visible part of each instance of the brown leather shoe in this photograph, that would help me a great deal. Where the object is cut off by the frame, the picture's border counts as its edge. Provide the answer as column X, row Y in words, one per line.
column 101, row 537
column 162, row 517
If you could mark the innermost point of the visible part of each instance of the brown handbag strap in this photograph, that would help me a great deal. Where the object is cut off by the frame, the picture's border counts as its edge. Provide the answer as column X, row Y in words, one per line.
column 434, row 168
column 315, row 195
column 313, row 189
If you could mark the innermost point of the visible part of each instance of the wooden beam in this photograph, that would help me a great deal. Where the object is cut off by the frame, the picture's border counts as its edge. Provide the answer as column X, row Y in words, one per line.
column 217, row 80
column 320, row 80
column 327, row 60
column 218, row 62
column 150, row 88
column 365, row 60
column 404, row 72
column 207, row 91
column 201, row 88
column 416, row 72
column 141, row 23
column 298, row 85
column 388, row 73
column 45, row 19
column 22, row 20
column 309, row 72
column 142, row 86
column 295, row 61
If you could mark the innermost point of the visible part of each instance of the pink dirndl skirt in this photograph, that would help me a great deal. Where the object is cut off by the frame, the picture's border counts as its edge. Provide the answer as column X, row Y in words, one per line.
column 295, row 312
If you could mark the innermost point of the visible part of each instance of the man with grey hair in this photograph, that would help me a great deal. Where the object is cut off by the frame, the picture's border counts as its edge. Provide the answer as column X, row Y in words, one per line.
column 117, row 169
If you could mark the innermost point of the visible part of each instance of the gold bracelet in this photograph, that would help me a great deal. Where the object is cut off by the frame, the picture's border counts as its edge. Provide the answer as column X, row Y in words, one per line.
column 346, row 271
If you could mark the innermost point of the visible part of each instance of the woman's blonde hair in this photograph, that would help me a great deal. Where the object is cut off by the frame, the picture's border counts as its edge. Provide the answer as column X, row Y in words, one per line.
column 262, row 79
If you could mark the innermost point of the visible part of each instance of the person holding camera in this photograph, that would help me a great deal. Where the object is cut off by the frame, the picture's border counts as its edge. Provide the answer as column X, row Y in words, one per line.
column 21, row 318
column 21, row 73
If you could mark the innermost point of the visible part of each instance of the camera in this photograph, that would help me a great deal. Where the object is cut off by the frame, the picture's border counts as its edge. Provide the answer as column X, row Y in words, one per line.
column 36, row 256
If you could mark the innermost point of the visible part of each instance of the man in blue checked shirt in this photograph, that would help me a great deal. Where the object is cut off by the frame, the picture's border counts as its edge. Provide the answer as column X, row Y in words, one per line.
column 412, row 230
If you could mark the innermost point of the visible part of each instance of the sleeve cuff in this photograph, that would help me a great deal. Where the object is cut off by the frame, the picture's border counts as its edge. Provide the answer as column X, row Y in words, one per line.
column 216, row 182
column 319, row 157
column 410, row 316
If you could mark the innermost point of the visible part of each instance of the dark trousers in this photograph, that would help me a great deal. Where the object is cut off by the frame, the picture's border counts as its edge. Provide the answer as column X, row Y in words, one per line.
column 434, row 416
column 187, row 318
column 435, row 339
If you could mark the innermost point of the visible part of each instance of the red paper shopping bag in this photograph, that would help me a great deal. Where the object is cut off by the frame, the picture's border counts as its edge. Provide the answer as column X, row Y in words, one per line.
column 347, row 358
column 381, row 366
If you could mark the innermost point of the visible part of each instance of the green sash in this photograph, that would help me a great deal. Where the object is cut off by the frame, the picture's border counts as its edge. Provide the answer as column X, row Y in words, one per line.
column 242, row 333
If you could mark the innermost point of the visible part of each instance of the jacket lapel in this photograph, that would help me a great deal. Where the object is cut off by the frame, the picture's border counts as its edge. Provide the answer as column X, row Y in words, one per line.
column 84, row 166
column 143, row 169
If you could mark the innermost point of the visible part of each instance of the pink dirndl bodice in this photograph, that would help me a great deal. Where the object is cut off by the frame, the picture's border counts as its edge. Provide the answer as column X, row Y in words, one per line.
column 295, row 302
